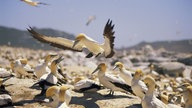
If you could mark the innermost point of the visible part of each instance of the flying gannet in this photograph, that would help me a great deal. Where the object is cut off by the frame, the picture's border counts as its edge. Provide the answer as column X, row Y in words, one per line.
column 111, row 82
column 90, row 19
column 82, row 41
column 34, row 3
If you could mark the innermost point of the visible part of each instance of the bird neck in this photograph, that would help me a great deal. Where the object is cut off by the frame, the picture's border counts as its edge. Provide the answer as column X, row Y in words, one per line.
column 151, row 89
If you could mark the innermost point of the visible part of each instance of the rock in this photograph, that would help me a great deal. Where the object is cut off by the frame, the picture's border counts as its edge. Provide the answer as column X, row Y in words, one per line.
column 170, row 68
column 4, row 73
column 186, row 60
column 149, row 51
column 5, row 99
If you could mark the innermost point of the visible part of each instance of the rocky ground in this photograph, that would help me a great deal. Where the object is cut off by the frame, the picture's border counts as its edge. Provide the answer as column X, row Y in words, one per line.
column 75, row 64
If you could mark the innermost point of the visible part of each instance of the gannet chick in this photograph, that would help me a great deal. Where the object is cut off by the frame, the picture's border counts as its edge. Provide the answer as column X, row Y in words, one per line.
column 43, row 68
column 20, row 67
column 111, row 82
column 59, row 97
column 150, row 100
column 33, row 3
column 49, row 79
column 85, row 85
column 82, row 41
column 90, row 19
column 125, row 74
column 138, row 86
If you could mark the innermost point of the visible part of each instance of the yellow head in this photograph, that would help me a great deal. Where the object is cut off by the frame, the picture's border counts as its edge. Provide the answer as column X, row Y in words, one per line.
column 79, row 37
column 77, row 79
column 12, row 64
column 138, row 74
column 51, row 91
column 23, row 61
column 184, row 86
column 54, row 65
column 149, row 80
column 62, row 93
column 118, row 65
column 49, row 57
column 101, row 67
column 164, row 97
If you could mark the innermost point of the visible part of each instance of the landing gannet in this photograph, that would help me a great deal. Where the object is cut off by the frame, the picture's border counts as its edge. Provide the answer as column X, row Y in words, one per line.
column 85, row 85
column 33, row 3
column 150, row 100
column 20, row 67
column 49, row 79
column 125, row 74
column 59, row 97
column 43, row 68
column 111, row 82
column 82, row 41
column 138, row 86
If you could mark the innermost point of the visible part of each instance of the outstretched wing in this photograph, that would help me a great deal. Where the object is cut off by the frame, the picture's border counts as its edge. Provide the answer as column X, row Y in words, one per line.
column 109, row 39
column 58, row 42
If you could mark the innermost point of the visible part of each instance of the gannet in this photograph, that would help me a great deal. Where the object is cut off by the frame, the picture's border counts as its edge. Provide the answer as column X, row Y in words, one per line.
column 43, row 68
column 185, row 92
column 59, row 97
column 188, row 97
column 82, row 41
column 83, row 84
column 138, row 86
column 90, row 19
column 34, row 3
column 125, row 74
column 49, row 79
column 20, row 67
column 111, row 82
column 150, row 100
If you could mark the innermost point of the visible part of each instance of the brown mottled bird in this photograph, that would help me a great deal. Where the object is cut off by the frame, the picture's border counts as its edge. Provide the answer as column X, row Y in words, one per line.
column 82, row 41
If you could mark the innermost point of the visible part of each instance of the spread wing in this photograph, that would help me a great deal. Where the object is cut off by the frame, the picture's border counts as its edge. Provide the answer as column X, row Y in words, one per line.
column 109, row 39
column 58, row 42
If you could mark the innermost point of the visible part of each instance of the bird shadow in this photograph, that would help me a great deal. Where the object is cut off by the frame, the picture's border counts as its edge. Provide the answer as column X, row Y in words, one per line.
column 36, row 99
column 135, row 106
column 89, row 98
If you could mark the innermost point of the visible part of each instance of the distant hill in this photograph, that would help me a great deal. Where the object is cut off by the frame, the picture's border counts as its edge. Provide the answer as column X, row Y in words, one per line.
column 184, row 46
column 21, row 38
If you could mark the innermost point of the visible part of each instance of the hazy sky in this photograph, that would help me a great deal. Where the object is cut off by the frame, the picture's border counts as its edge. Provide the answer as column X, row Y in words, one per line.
column 135, row 20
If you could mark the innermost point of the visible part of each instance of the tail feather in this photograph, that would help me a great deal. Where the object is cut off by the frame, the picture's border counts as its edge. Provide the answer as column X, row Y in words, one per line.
column 123, row 86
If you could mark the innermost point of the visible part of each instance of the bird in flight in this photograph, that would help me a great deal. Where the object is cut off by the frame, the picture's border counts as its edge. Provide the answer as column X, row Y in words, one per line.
column 82, row 41
column 90, row 19
column 34, row 3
